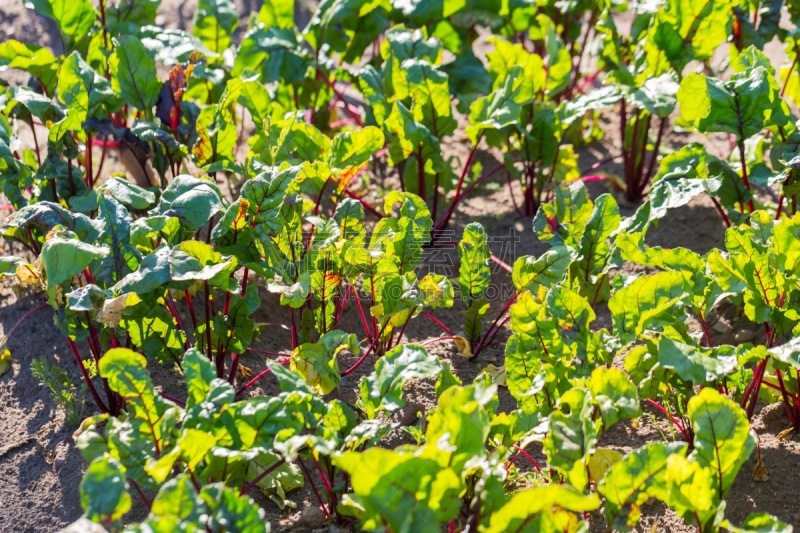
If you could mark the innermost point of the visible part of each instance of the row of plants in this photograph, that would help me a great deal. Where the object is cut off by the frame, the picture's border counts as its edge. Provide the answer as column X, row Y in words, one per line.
column 250, row 172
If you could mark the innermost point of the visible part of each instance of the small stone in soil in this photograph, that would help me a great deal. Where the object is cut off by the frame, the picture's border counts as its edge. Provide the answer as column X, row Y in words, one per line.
column 774, row 413
column 720, row 326
column 744, row 335
column 411, row 413
column 313, row 517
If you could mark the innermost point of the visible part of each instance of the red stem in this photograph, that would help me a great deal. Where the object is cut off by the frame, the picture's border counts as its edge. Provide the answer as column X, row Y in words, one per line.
column 144, row 499
column 191, row 309
column 527, row 456
column 78, row 359
column 494, row 325
column 313, row 486
column 362, row 315
column 22, row 319
column 234, row 367
column 363, row 202
column 672, row 419
column 437, row 322
column 786, row 404
column 367, row 352
column 261, row 476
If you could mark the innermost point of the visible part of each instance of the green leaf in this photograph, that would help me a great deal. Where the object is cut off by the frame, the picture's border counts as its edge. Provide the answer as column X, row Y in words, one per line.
column 35, row 60
column 352, row 149
column 317, row 362
column 104, row 491
column 595, row 248
column 546, row 270
column 236, row 329
column 5, row 359
column 503, row 107
column 696, row 365
column 383, row 389
column 129, row 194
column 649, row 302
column 278, row 54
column 632, row 248
column 468, row 79
column 541, row 509
column 230, row 511
column 192, row 200
column 177, row 498
column 473, row 315
column 435, row 291
column 152, row 328
column 458, row 428
column 85, row 93
column 399, row 490
column 190, row 449
column 690, row 490
column 216, row 137
column 45, row 216
column 657, row 95
column 214, row 23
column 126, row 373
column 615, row 394
column 639, row 476
column 256, row 422
column 133, row 74
column 279, row 481
column 572, row 437
column 759, row 523
column 199, row 372
column 474, row 275
column 685, row 30
column 722, row 439
column 279, row 13
column 74, row 18
column 741, row 106
column 430, row 95
column 179, row 267
column 564, row 219
column 64, row 257
column 131, row 17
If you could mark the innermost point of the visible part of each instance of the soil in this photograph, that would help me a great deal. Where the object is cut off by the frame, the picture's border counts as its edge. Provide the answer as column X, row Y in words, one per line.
column 41, row 470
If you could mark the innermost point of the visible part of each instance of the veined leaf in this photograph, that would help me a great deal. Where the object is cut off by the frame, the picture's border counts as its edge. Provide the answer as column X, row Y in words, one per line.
column 64, row 257
column 722, row 439
column 383, row 389
column 134, row 74
column 407, row 492
column 639, row 476
column 317, row 362
column 615, row 395
column 353, row 149
column 214, row 22
column 458, row 428
column 474, row 255
column 572, row 437
column 546, row 270
column 648, row 302
column 36, row 60
column 541, row 509
column 104, row 493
